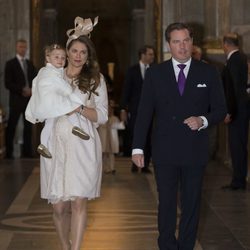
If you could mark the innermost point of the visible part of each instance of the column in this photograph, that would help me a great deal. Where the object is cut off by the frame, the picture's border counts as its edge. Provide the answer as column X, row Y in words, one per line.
column 137, row 33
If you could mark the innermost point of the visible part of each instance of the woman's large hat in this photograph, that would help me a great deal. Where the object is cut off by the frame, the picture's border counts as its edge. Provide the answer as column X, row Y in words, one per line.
column 83, row 27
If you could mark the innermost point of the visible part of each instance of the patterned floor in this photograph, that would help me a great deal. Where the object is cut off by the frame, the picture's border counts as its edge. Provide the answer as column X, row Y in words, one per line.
column 124, row 218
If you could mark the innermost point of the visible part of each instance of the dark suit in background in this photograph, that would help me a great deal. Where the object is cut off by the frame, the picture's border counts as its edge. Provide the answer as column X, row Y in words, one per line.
column 179, row 141
column 15, row 82
column 235, row 76
column 131, row 97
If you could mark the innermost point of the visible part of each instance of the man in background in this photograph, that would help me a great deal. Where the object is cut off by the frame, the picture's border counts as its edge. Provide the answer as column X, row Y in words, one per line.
column 130, row 99
column 235, row 75
column 19, row 73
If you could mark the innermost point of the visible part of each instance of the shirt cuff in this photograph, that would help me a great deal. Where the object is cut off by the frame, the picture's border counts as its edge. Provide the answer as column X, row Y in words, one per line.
column 137, row 151
column 205, row 123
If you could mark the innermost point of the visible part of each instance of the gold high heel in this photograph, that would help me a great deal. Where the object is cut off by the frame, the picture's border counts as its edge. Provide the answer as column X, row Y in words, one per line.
column 80, row 133
column 42, row 150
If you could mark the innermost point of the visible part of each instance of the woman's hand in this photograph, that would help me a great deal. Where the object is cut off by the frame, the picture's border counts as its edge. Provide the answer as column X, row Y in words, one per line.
column 89, row 113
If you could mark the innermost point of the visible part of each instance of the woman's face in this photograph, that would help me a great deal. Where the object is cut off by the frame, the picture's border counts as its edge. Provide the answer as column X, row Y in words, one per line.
column 77, row 54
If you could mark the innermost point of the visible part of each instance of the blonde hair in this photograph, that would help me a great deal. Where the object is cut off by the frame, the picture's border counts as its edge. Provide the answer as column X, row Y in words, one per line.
column 48, row 49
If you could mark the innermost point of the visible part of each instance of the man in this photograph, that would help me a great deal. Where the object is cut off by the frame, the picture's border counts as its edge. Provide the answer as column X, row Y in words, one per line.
column 19, row 73
column 131, row 97
column 235, row 75
column 197, row 53
column 185, row 96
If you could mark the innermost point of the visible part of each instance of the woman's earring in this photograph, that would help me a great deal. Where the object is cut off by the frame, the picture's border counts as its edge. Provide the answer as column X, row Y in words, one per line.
column 87, row 62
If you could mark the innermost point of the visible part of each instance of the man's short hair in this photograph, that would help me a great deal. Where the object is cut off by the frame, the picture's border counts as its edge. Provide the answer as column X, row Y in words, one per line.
column 21, row 40
column 231, row 39
column 177, row 26
column 143, row 50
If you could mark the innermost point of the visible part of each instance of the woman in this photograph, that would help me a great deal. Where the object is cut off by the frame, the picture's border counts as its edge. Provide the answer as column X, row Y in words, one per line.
column 73, row 175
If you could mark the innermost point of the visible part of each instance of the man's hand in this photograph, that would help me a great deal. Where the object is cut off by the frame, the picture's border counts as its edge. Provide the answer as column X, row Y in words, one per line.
column 26, row 92
column 123, row 115
column 193, row 122
column 138, row 160
column 227, row 119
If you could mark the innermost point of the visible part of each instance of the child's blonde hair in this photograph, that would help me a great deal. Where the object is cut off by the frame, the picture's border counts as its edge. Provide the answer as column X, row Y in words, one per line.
column 48, row 49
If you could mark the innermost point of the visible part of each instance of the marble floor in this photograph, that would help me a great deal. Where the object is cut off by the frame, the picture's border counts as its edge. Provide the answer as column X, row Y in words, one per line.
column 124, row 218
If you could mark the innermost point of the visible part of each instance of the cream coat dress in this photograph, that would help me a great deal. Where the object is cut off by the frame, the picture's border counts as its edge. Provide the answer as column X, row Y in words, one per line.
column 75, row 169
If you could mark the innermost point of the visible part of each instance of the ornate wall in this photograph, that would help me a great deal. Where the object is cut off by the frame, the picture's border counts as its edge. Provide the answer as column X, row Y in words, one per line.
column 14, row 24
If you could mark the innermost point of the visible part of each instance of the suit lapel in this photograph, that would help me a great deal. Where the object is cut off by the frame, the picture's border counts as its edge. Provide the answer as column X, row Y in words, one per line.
column 190, row 81
column 170, row 77
column 139, row 72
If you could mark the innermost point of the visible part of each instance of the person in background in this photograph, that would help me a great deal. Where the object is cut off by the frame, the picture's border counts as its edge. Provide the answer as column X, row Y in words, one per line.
column 235, row 76
column 198, row 55
column 49, row 89
column 109, row 138
column 18, row 75
column 197, row 52
column 73, row 175
column 130, row 99
column 184, row 96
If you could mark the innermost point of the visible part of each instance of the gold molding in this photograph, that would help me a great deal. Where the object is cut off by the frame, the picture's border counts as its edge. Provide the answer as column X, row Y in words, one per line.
column 35, row 30
column 158, row 28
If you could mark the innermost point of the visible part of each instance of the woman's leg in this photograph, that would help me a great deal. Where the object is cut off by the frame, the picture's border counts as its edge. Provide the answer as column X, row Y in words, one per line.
column 61, row 218
column 78, row 222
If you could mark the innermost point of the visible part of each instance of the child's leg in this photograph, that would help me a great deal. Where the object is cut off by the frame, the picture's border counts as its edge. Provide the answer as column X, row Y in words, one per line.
column 45, row 133
column 42, row 149
column 112, row 162
column 105, row 160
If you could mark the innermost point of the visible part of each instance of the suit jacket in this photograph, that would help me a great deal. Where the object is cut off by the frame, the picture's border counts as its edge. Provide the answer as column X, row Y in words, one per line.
column 235, row 75
column 15, row 81
column 132, row 91
column 173, row 141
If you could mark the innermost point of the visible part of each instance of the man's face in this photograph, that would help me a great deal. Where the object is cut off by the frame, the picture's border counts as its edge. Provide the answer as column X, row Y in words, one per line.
column 180, row 45
column 21, row 48
column 148, row 57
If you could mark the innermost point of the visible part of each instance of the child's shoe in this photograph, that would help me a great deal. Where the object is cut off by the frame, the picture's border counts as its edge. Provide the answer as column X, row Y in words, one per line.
column 42, row 150
column 80, row 133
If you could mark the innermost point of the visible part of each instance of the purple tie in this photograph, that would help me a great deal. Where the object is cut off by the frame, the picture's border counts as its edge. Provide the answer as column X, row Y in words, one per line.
column 181, row 78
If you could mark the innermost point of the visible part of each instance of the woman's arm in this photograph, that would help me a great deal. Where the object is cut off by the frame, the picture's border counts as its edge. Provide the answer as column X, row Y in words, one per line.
column 98, row 114
column 89, row 113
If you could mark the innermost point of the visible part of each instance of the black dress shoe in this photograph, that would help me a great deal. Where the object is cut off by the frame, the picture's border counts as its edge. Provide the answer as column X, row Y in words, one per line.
column 233, row 187
column 146, row 171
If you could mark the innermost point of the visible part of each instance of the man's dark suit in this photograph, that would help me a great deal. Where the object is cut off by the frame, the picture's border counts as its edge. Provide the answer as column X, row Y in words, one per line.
column 15, row 82
column 130, row 99
column 179, row 154
column 235, row 76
